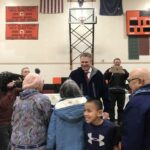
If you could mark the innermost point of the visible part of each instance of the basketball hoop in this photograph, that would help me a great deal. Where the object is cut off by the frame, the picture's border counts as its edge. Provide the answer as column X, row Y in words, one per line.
column 82, row 20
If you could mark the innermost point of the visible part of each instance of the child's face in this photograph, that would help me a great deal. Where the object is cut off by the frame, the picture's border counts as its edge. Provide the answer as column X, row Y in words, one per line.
column 91, row 113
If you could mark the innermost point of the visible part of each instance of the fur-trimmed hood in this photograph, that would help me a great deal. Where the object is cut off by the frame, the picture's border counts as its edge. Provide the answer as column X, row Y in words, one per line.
column 70, row 110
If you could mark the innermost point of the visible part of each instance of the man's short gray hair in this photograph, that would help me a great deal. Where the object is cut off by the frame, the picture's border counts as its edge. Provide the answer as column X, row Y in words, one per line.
column 89, row 55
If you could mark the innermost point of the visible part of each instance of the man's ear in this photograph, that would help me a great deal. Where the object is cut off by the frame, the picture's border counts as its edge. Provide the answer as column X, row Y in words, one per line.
column 142, row 82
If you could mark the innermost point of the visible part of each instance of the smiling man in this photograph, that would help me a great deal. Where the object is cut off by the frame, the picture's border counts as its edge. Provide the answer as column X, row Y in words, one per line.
column 90, row 80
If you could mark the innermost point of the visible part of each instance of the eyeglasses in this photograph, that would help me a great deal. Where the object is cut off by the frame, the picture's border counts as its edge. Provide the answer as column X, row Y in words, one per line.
column 129, row 80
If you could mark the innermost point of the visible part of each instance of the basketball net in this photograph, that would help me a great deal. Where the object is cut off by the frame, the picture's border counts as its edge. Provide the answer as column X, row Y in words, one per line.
column 82, row 20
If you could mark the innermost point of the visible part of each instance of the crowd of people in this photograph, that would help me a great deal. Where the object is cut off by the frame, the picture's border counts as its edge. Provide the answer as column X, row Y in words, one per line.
column 84, row 117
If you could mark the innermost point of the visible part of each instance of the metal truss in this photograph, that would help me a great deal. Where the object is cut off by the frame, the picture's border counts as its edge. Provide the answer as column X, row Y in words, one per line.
column 81, row 33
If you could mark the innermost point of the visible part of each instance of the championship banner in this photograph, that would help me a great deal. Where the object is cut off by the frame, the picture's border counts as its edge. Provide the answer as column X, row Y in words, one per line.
column 22, row 31
column 21, row 13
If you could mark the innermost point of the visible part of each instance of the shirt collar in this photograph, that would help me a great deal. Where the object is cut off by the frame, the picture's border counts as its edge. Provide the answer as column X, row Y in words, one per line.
column 90, row 70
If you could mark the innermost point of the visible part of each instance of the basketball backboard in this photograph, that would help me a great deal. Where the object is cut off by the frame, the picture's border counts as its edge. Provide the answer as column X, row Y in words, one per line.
column 82, row 16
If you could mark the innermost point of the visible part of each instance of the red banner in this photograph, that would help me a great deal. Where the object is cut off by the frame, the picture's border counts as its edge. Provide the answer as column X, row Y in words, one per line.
column 21, row 13
column 22, row 31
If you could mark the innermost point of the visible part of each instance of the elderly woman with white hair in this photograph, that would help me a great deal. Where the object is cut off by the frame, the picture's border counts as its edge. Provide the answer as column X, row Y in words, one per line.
column 30, row 116
column 65, row 130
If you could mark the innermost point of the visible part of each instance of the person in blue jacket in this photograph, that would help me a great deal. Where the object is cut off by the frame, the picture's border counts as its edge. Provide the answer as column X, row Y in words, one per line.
column 65, row 131
column 136, row 120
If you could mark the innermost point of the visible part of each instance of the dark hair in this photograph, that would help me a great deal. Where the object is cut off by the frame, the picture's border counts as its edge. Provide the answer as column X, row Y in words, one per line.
column 69, row 89
column 7, row 77
column 97, row 103
column 86, row 55
column 37, row 70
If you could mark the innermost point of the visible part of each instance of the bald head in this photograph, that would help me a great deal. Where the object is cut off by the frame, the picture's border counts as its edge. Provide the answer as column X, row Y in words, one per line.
column 139, row 77
column 142, row 73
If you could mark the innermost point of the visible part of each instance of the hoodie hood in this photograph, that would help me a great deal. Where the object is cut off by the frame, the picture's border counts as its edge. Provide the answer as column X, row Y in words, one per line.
column 28, row 93
column 70, row 110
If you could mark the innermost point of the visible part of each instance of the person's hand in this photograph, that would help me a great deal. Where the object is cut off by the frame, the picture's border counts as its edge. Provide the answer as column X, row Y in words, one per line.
column 11, row 84
column 105, row 115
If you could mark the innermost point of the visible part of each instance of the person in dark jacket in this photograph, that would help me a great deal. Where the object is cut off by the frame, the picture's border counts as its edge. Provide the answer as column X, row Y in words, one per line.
column 91, row 80
column 8, row 93
column 136, row 118
column 100, row 134
column 116, row 78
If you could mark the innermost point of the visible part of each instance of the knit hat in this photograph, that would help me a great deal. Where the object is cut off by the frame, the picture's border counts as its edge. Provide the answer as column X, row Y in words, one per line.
column 33, row 81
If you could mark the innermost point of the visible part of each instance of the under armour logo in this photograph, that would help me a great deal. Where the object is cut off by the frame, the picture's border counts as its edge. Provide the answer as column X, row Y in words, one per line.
column 100, row 139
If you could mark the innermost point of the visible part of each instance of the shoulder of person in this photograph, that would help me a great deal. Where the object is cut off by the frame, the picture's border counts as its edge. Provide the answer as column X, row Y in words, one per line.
column 110, row 124
column 95, row 70
column 136, row 103
column 42, row 99
column 126, row 72
column 108, row 70
column 70, row 102
column 78, row 70
column 44, row 96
